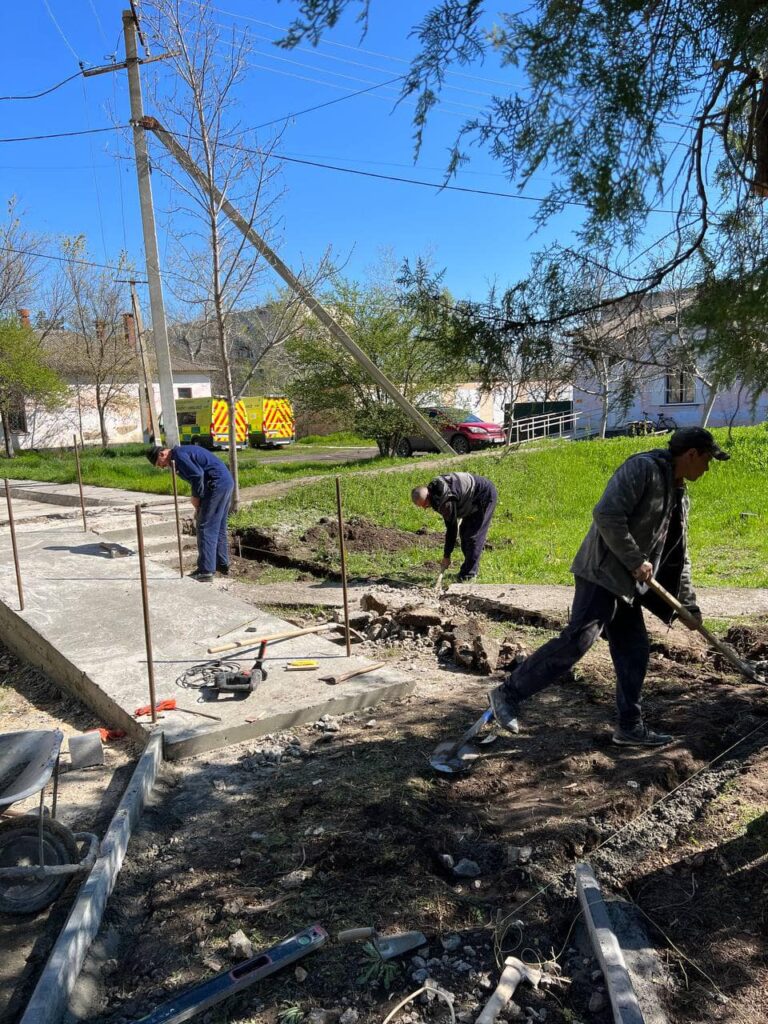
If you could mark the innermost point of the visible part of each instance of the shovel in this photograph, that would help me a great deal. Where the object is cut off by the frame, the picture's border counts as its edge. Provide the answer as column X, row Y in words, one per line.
column 387, row 946
column 439, row 584
column 451, row 758
column 755, row 673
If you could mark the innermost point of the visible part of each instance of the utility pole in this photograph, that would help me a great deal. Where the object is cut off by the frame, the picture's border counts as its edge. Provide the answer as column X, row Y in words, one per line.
column 159, row 328
column 141, row 349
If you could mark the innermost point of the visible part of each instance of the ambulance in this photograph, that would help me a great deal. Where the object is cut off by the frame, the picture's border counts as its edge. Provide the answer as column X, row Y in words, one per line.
column 270, row 421
column 205, row 421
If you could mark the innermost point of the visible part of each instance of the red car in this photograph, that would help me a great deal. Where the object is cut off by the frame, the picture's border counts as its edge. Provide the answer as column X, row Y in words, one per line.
column 461, row 429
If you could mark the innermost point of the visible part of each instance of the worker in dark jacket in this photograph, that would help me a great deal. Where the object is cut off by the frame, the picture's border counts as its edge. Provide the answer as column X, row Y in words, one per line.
column 212, row 487
column 639, row 530
column 466, row 503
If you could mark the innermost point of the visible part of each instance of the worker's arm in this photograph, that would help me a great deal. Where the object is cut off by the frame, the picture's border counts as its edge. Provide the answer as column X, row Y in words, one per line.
column 189, row 469
column 620, row 499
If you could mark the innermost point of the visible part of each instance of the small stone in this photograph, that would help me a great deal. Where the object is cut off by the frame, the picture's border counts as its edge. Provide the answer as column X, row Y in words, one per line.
column 320, row 1016
column 300, row 974
column 447, row 861
column 469, row 951
column 371, row 724
column 450, row 943
column 477, row 884
column 350, row 1016
column 257, row 837
column 239, row 946
column 294, row 879
column 633, row 785
column 418, row 962
column 467, row 868
column 420, row 976
column 596, row 1002
column 524, row 855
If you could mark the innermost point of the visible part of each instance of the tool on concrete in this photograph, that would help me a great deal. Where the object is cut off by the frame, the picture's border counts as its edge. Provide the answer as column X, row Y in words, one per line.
column 301, row 665
column 114, row 550
column 439, row 583
column 111, row 734
column 387, row 946
column 145, row 610
column 80, row 483
column 189, row 1004
column 273, row 637
column 169, row 704
column 343, row 554
column 38, row 855
column 86, row 750
column 514, row 972
column 344, row 676
column 452, row 758
column 626, row 1009
column 234, row 629
column 176, row 512
column 756, row 672
column 12, row 528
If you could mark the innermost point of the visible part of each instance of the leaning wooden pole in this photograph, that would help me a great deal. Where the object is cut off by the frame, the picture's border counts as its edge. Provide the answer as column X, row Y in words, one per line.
column 80, row 483
column 12, row 527
column 343, row 551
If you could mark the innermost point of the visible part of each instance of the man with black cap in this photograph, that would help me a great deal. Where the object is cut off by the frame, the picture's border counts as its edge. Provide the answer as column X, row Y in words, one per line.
column 639, row 530
column 212, row 487
column 466, row 502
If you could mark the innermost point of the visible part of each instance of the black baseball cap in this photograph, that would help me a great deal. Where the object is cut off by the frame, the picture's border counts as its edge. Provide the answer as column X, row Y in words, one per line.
column 153, row 453
column 698, row 438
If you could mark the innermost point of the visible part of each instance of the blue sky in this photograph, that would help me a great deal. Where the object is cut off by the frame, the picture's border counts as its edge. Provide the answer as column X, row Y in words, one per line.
column 87, row 184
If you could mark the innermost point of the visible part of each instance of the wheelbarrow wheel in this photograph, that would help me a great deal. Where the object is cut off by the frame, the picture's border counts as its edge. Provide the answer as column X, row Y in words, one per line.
column 20, row 847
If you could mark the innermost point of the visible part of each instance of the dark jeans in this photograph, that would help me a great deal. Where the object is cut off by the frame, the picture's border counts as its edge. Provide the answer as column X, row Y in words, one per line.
column 474, row 530
column 212, row 547
column 595, row 611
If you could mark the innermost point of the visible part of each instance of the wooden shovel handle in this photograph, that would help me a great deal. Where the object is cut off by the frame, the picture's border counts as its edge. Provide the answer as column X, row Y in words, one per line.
column 354, row 672
column 690, row 620
column 356, row 934
column 273, row 637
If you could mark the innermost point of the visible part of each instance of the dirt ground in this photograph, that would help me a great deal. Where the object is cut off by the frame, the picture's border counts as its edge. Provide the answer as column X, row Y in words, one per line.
column 344, row 823
column 86, row 801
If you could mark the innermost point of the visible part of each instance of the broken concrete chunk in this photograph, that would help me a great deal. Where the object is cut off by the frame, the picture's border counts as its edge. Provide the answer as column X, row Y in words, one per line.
column 295, row 879
column 467, row 868
column 239, row 946
column 450, row 943
column 486, row 651
column 373, row 603
column 350, row 1016
column 419, row 618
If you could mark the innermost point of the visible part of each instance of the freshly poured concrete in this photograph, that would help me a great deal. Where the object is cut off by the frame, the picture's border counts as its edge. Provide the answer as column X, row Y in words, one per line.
column 83, row 626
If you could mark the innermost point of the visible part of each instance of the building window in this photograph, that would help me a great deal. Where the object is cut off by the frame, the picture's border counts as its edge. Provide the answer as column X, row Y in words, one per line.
column 184, row 392
column 681, row 388
column 17, row 418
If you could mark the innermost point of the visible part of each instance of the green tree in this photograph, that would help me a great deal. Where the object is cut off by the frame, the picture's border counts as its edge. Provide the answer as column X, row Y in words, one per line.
column 24, row 375
column 404, row 345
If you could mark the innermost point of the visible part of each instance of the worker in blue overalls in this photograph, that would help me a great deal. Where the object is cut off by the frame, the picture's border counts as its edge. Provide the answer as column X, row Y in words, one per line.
column 212, row 487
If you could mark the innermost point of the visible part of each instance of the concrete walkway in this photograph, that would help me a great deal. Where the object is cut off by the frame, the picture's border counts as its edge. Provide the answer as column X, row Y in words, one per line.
column 83, row 626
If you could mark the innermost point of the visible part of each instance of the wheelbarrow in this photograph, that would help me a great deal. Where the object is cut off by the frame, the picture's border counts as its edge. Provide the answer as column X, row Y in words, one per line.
column 38, row 855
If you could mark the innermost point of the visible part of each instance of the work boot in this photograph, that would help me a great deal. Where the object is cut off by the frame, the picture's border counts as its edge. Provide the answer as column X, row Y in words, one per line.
column 504, row 705
column 640, row 736
column 222, row 570
column 470, row 578
column 201, row 577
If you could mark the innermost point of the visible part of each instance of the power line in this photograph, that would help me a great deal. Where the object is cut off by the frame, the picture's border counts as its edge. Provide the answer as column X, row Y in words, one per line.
column 65, row 135
column 328, row 103
column 84, row 263
column 60, row 30
column 45, row 92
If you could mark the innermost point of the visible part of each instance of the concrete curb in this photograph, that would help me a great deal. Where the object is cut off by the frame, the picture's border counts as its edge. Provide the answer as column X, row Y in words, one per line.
column 626, row 1009
column 54, row 987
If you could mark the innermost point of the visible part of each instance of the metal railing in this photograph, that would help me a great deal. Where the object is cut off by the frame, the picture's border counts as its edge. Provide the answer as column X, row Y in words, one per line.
column 548, row 424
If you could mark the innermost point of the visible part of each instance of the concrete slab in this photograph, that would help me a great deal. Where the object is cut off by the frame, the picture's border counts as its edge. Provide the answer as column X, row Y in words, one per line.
column 69, row 494
column 83, row 626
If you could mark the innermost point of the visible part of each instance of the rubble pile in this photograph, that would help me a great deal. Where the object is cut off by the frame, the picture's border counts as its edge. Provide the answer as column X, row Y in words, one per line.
column 389, row 619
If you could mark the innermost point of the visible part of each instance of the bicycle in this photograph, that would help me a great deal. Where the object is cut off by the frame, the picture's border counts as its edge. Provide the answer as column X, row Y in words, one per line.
column 662, row 423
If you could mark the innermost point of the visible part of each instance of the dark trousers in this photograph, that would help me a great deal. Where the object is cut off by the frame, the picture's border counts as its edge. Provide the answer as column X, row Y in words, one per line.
column 595, row 611
column 474, row 530
column 212, row 546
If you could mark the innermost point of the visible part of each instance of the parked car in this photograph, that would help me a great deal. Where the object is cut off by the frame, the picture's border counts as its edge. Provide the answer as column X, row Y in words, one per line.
column 461, row 429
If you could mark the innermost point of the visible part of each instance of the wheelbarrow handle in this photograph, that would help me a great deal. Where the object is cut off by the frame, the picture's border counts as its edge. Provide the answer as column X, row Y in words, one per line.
column 691, row 620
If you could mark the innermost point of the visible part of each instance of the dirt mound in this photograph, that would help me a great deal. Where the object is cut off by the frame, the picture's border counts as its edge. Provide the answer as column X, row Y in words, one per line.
column 365, row 537
column 751, row 642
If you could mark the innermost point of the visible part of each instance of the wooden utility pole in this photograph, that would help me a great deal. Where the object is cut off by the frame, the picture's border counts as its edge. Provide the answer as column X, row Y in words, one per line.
column 159, row 328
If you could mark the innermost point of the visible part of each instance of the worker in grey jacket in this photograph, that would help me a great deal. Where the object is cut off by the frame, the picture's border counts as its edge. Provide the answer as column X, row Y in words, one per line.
column 639, row 530
column 466, row 502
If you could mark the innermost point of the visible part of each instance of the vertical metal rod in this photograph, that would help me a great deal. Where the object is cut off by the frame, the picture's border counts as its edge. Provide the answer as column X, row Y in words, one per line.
column 12, row 526
column 55, row 796
column 41, row 815
column 80, row 482
column 145, row 606
column 343, row 567
column 178, row 521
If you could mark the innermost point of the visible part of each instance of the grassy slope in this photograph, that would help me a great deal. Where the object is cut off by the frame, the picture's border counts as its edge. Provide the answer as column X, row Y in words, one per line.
column 545, row 502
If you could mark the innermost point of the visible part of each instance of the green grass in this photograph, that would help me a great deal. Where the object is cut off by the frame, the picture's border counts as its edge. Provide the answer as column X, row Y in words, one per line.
column 126, row 466
column 341, row 439
column 545, row 501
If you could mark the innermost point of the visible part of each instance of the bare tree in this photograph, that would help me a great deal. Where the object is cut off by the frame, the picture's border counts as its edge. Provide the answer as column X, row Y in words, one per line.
column 221, row 271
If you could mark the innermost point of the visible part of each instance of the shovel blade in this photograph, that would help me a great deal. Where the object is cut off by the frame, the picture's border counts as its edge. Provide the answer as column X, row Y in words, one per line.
column 389, row 946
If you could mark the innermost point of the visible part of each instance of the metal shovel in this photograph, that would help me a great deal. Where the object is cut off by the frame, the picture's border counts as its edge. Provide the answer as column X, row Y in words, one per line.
column 454, row 757
column 387, row 946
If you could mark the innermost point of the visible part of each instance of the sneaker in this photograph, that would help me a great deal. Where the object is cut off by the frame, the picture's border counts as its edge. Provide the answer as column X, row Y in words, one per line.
column 201, row 577
column 641, row 736
column 467, row 579
column 222, row 570
column 504, row 707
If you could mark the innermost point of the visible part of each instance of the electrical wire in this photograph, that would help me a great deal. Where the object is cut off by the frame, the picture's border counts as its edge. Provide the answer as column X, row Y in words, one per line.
column 84, row 263
column 65, row 135
column 61, row 32
column 328, row 103
column 45, row 92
